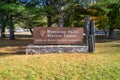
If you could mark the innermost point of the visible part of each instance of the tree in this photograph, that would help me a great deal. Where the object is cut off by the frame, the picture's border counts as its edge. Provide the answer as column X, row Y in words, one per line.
column 111, row 9
column 11, row 10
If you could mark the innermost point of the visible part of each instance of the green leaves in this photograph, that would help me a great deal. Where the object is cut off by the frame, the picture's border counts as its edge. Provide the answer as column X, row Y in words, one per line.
column 11, row 8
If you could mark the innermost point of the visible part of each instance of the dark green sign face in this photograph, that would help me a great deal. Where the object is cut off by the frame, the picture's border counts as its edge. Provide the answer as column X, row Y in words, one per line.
column 58, row 35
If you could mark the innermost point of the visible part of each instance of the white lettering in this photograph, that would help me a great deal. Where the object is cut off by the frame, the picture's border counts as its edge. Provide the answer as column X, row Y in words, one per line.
column 73, row 31
column 55, row 31
column 70, row 36
column 54, row 36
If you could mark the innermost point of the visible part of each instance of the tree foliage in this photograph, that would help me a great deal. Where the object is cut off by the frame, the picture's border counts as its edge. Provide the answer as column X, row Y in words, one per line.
column 67, row 13
column 110, row 9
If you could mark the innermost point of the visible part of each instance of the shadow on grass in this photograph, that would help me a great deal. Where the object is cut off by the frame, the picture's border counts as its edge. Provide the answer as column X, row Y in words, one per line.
column 17, row 42
column 116, row 46
column 102, row 40
column 3, row 54
column 14, row 47
column 10, row 54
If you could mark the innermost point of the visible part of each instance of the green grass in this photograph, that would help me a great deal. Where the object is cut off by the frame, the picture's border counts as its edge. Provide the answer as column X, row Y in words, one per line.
column 104, row 64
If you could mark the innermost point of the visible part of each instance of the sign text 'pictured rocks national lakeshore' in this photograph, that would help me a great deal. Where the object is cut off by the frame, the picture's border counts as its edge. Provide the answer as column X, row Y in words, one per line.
column 58, row 35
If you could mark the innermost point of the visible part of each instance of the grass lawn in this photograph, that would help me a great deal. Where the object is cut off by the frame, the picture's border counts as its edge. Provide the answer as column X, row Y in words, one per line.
column 104, row 64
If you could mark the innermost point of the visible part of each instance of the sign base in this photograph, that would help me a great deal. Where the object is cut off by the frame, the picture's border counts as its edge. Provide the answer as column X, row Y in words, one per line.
column 41, row 49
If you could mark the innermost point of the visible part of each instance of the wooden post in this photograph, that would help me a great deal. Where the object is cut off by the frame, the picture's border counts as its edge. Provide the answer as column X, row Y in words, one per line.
column 92, row 29
column 92, row 37
column 87, row 29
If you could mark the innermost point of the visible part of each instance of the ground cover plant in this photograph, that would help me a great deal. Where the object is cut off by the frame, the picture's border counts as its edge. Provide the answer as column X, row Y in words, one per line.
column 104, row 64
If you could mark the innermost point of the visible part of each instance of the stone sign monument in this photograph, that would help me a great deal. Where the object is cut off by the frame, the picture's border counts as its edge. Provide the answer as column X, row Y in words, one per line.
column 67, row 40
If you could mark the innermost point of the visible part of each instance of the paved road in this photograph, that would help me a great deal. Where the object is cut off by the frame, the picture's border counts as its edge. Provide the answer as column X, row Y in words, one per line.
column 18, row 33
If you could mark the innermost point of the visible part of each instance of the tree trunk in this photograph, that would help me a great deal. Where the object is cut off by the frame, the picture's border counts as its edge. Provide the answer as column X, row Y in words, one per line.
column 31, row 31
column 49, row 23
column 61, row 13
column 105, row 31
column 11, row 27
column 2, row 26
column 3, row 31
column 111, row 33
column 60, row 21
column 12, row 36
